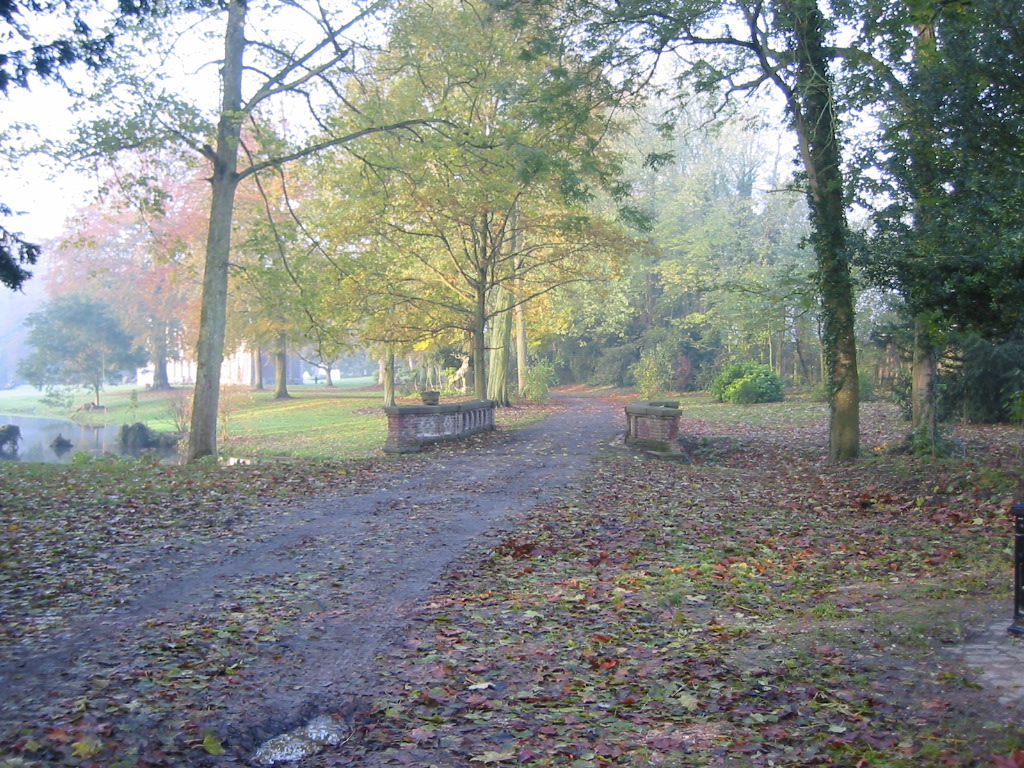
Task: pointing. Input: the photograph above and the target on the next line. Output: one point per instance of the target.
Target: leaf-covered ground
(165, 616)
(750, 606)
(753, 607)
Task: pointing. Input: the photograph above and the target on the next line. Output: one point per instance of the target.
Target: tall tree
(139, 259)
(967, 270)
(504, 207)
(724, 276)
(944, 80)
(743, 45)
(271, 52)
(78, 341)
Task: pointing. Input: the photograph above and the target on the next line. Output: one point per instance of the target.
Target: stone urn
(430, 397)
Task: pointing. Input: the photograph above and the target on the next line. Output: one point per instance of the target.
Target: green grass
(318, 422)
(153, 408)
(794, 411)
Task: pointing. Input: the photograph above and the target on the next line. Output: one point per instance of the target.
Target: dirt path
(341, 577)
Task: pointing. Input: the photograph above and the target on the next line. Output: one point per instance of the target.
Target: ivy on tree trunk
(811, 104)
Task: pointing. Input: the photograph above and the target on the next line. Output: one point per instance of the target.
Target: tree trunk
(922, 387)
(812, 106)
(161, 381)
(387, 370)
(522, 352)
(800, 372)
(519, 310)
(500, 344)
(924, 182)
(281, 368)
(224, 179)
(480, 343)
(258, 363)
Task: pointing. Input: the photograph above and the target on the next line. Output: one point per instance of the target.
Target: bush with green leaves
(539, 378)
(612, 368)
(980, 379)
(653, 372)
(924, 442)
(747, 383)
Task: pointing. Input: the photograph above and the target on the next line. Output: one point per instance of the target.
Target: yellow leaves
(213, 745)
(86, 747)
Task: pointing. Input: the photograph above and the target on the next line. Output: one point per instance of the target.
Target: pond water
(38, 436)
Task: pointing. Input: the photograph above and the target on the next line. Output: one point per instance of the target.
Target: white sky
(47, 194)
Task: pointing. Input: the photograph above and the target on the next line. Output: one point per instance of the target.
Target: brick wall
(410, 427)
(653, 425)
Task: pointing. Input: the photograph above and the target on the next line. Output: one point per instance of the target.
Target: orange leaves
(1013, 760)
(599, 662)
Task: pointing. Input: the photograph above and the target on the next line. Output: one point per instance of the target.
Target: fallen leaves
(754, 607)
(87, 541)
(664, 614)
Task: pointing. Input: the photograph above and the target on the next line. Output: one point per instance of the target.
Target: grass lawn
(317, 422)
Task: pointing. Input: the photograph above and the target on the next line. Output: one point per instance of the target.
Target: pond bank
(45, 440)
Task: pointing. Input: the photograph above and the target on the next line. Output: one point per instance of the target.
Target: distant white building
(238, 369)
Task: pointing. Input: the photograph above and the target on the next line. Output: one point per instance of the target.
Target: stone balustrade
(410, 427)
(653, 425)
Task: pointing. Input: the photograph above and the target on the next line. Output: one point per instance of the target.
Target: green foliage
(1016, 407)
(613, 365)
(724, 267)
(133, 406)
(77, 341)
(868, 390)
(747, 383)
(539, 379)
(653, 372)
(60, 398)
(899, 393)
(980, 381)
(950, 241)
(941, 443)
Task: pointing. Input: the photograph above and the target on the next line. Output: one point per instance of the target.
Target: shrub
(539, 378)
(922, 442)
(613, 367)
(179, 407)
(747, 383)
(653, 373)
(980, 380)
